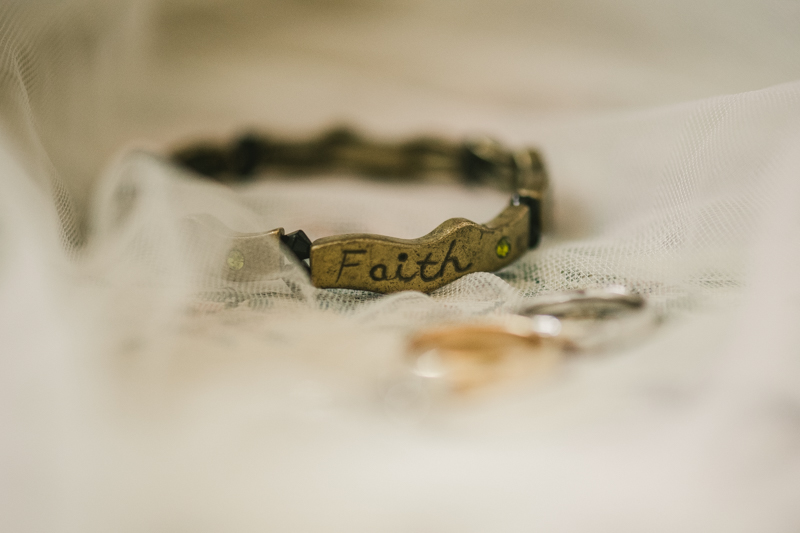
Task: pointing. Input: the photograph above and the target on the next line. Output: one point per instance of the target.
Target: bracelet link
(530, 178)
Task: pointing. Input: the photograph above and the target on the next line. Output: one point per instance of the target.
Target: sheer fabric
(141, 392)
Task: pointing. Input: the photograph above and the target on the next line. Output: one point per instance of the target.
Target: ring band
(595, 318)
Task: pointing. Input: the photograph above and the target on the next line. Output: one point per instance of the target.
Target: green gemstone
(503, 247)
(235, 260)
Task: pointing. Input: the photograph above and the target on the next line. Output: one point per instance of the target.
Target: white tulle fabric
(140, 393)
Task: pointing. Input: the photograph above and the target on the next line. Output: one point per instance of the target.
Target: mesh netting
(141, 391)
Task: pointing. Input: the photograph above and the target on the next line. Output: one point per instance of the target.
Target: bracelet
(375, 262)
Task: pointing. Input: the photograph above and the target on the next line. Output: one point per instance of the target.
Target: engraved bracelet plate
(385, 264)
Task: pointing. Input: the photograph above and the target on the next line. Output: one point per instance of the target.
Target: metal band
(594, 318)
(385, 264)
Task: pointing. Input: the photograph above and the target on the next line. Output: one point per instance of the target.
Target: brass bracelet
(375, 262)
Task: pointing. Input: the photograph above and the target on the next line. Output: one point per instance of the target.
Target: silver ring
(594, 318)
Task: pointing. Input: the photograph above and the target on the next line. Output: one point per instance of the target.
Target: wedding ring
(467, 357)
(596, 318)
